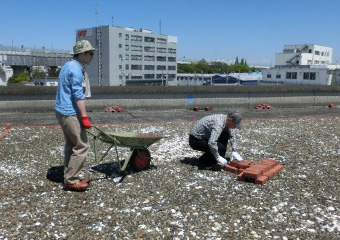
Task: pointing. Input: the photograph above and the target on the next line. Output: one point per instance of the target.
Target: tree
(19, 78)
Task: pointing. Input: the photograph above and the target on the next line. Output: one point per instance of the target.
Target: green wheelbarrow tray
(139, 156)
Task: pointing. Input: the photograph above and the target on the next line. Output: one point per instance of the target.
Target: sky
(254, 30)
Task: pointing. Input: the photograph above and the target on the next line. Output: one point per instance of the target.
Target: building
(127, 56)
(304, 64)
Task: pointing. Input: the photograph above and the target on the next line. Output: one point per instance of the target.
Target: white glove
(222, 160)
(236, 156)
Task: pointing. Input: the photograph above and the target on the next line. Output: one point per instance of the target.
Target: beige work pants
(76, 147)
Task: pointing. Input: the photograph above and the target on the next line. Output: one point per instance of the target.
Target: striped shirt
(210, 128)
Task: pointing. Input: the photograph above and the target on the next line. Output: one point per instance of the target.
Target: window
(149, 58)
(269, 75)
(137, 57)
(120, 66)
(149, 49)
(312, 76)
(127, 47)
(161, 50)
(127, 37)
(306, 75)
(126, 66)
(161, 67)
(149, 67)
(149, 76)
(317, 52)
(309, 76)
(161, 40)
(136, 77)
(127, 57)
(149, 39)
(291, 75)
(161, 59)
(171, 50)
(136, 67)
(278, 76)
(120, 45)
(171, 67)
(136, 38)
(171, 76)
(136, 48)
(120, 34)
(171, 59)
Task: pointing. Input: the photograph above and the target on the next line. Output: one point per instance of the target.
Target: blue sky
(211, 29)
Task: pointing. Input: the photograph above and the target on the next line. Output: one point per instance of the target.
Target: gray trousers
(76, 147)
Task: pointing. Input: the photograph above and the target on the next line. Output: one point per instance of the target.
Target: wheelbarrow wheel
(140, 159)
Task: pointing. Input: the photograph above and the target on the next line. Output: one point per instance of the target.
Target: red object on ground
(258, 173)
(5, 132)
(332, 105)
(114, 109)
(264, 106)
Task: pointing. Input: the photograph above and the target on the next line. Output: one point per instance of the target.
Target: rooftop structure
(304, 54)
(303, 64)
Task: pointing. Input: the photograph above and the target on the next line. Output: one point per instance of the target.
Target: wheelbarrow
(139, 157)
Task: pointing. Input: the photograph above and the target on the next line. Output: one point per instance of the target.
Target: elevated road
(28, 57)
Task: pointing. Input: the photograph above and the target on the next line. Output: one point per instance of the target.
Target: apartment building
(127, 56)
(303, 64)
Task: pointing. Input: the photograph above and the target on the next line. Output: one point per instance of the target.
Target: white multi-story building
(303, 64)
(305, 54)
(127, 56)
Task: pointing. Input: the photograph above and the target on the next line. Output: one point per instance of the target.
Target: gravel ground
(173, 199)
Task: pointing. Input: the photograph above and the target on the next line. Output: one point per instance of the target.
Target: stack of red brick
(258, 173)
(264, 106)
(114, 109)
(6, 131)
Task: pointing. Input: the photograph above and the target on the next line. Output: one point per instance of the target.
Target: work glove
(222, 160)
(86, 122)
(235, 155)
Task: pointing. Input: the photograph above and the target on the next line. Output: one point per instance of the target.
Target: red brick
(240, 177)
(270, 162)
(273, 171)
(261, 180)
(244, 164)
(332, 105)
(234, 163)
(231, 169)
(252, 173)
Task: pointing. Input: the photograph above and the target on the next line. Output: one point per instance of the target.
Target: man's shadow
(193, 161)
(110, 170)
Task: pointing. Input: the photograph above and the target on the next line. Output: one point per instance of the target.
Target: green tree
(19, 78)
(38, 75)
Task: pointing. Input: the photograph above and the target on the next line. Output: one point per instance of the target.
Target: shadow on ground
(110, 170)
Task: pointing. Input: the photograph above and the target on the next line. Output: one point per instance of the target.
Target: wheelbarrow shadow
(112, 170)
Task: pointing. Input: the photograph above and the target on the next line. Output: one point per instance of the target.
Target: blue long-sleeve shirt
(70, 88)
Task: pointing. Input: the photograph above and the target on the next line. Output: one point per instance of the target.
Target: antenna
(160, 26)
(113, 21)
(96, 11)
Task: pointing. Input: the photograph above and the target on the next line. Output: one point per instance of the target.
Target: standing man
(211, 135)
(72, 116)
